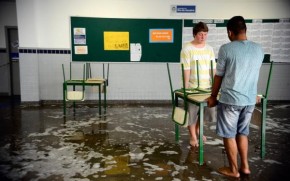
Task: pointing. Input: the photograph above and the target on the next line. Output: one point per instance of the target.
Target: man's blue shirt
(239, 64)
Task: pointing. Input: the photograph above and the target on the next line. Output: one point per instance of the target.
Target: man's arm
(212, 100)
(212, 71)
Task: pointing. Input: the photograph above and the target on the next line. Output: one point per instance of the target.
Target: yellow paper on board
(116, 40)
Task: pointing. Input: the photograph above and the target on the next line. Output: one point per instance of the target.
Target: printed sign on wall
(182, 9)
(161, 35)
(116, 40)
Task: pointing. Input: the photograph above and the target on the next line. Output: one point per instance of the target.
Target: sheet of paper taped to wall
(135, 52)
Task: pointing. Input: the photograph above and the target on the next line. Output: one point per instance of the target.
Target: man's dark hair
(201, 26)
(237, 25)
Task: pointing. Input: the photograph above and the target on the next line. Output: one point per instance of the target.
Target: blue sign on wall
(185, 9)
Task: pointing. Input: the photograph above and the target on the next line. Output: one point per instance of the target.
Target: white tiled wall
(51, 76)
(42, 79)
(280, 81)
(42, 76)
(29, 77)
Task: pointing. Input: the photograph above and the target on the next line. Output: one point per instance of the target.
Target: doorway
(13, 55)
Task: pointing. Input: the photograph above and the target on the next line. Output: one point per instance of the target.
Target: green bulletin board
(87, 33)
(88, 42)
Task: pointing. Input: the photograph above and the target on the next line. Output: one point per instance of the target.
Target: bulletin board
(125, 40)
(161, 40)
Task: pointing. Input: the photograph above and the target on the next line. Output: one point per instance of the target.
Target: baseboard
(4, 94)
(112, 102)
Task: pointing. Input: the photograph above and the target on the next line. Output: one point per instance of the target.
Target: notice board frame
(139, 32)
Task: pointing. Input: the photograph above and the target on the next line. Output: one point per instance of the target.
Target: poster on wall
(135, 52)
(116, 40)
(81, 50)
(79, 36)
(161, 35)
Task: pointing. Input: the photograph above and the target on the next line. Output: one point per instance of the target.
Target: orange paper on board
(161, 35)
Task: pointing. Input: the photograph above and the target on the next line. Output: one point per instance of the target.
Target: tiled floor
(129, 143)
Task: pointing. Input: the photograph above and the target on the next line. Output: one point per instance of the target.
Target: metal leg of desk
(263, 127)
(176, 125)
(201, 116)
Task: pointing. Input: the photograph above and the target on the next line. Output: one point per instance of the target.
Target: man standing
(237, 74)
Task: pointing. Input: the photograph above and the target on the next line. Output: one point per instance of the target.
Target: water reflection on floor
(129, 143)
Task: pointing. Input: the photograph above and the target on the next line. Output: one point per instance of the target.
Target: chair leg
(100, 103)
(105, 98)
(176, 126)
(63, 91)
(74, 103)
(64, 101)
(176, 133)
(201, 112)
(263, 128)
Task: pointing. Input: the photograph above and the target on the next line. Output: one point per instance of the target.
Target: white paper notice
(80, 36)
(81, 50)
(136, 52)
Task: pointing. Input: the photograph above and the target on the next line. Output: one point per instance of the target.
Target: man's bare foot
(245, 171)
(194, 142)
(227, 172)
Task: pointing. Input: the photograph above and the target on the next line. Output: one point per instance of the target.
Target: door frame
(7, 36)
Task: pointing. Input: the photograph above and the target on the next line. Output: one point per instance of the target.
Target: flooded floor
(129, 143)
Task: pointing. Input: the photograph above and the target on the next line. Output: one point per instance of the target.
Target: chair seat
(179, 116)
(96, 79)
(75, 95)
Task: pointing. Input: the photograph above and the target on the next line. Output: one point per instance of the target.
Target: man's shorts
(233, 120)
(209, 114)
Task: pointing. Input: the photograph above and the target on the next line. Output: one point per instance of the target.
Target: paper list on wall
(273, 37)
(135, 52)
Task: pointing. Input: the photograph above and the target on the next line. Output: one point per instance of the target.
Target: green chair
(180, 115)
(89, 73)
(195, 96)
(73, 89)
